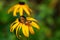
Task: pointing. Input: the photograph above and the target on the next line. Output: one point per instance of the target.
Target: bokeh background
(47, 12)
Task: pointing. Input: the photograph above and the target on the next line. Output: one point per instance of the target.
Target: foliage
(46, 13)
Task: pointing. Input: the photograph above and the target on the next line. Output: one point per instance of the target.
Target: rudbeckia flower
(26, 24)
(20, 7)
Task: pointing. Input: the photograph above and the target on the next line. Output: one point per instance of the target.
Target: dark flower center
(22, 19)
(21, 3)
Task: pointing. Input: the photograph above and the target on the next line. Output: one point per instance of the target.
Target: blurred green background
(47, 12)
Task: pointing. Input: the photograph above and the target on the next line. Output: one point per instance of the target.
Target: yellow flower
(19, 8)
(26, 26)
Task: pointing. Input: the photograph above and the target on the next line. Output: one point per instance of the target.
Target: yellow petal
(31, 19)
(28, 7)
(26, 10)
(15, 10)
(13, 27)
(20, 24)
(35, 25)
(18, 30)
(21, 11)
(17, 5)
(25, 30)
(14, 22)
(31, 30)
(12, 8)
